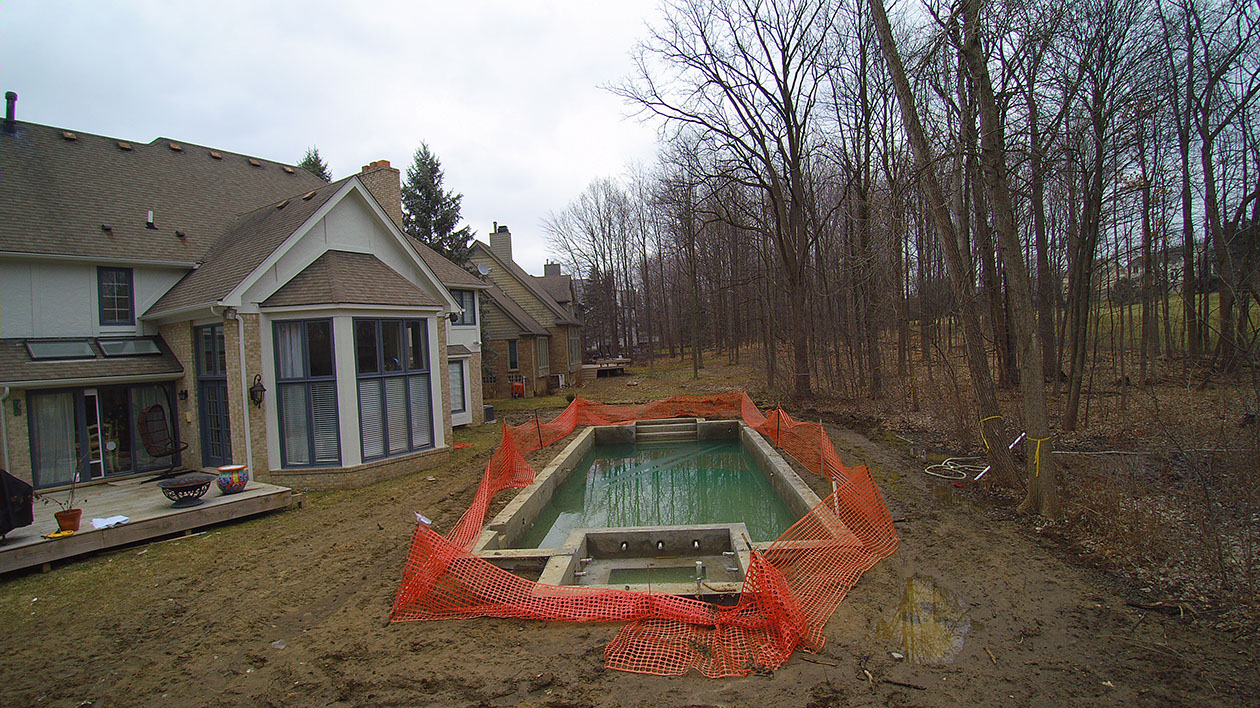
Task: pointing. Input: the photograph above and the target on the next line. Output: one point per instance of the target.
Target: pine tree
(431, 213)
(313, 163)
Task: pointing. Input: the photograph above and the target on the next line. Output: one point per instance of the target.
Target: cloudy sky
(505, 93)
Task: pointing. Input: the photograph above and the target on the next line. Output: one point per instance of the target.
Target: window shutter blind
(396, 413)
(296, 447)
(421, 412)
(372, 430)
(324, 426)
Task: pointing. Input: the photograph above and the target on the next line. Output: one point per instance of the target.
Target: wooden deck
(150, 513)
(606, 367)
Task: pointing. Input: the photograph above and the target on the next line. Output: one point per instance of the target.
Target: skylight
(128, 347)
(60, 349)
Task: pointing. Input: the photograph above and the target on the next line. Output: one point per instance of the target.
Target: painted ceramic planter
(233, 478)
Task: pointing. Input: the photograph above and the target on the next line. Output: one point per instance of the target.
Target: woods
(1058, 194)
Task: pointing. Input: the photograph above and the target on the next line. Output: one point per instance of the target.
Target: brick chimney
(383, 182)
(501, 243)
(550, 269)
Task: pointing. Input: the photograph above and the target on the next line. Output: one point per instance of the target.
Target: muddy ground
(292, 609)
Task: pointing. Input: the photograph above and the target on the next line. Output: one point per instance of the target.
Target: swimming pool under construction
(664, 506)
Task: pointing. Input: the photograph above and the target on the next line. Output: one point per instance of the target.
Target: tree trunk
(1043, 496)
(982, 381)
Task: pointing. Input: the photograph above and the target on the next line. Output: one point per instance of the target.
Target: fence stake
(538, 422)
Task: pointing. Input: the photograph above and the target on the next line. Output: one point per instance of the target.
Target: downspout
(249, 440)
(4, 428)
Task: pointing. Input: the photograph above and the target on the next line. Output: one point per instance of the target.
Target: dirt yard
(977, 607)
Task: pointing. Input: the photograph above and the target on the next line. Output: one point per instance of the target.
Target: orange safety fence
(788, 594)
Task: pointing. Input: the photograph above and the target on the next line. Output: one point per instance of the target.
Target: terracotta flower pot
(68, 520)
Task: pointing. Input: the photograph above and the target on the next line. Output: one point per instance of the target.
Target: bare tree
(747, 74)
(963, 286)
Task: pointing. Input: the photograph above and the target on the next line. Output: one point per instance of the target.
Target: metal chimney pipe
(10, 109)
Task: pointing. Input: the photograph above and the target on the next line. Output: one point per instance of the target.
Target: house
(532, 332)
(198, 281)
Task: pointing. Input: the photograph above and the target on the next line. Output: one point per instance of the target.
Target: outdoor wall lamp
(257, 390)
(183, 394)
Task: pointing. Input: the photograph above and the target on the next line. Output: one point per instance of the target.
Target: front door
(212, 396)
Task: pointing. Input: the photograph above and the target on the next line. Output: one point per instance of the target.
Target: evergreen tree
(313, 163)
(431, 213)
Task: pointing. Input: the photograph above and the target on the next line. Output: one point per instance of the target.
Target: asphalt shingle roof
(451, 275)
(342, 277)
(559, 287)
(56, 192)
(17, 367)
(247, 243)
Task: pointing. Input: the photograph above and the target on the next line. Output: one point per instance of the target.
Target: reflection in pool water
(662, 484)
(928, 625)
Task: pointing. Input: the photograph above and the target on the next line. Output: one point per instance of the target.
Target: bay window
(307, 378)
(393, 370)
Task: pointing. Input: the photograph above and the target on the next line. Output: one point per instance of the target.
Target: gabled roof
(563, 316)
(508, 306)
(248, 242)
(559, 287)
(342, 277)
(60, 187)
(451, 275)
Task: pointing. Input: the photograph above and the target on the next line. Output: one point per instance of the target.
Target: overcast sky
(505, 93)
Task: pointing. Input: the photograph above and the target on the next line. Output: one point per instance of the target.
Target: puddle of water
(928, 625)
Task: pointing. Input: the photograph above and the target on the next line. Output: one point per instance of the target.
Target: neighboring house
(534, 339)
(175, 275)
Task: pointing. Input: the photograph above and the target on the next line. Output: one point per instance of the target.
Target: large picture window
(393, 369)
(468, 301)
(116, 293)
(307, 379)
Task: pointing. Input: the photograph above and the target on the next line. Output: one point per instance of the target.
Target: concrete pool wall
(632, 556)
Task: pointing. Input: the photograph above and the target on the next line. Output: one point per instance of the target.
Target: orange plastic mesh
(788, 594)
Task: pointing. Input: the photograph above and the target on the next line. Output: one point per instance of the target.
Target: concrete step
(672, 428)
(667, 424)
(664, 436)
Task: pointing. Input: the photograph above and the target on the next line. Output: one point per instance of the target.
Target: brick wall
(476, 397)
(179, 337)
(560, 352)
(19, 441)
(351, 477)
(526, 348)
(257, 414)
(499, 365)
(382, 181)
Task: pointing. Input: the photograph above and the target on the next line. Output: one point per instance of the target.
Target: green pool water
(662, 484)
(647, 576)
